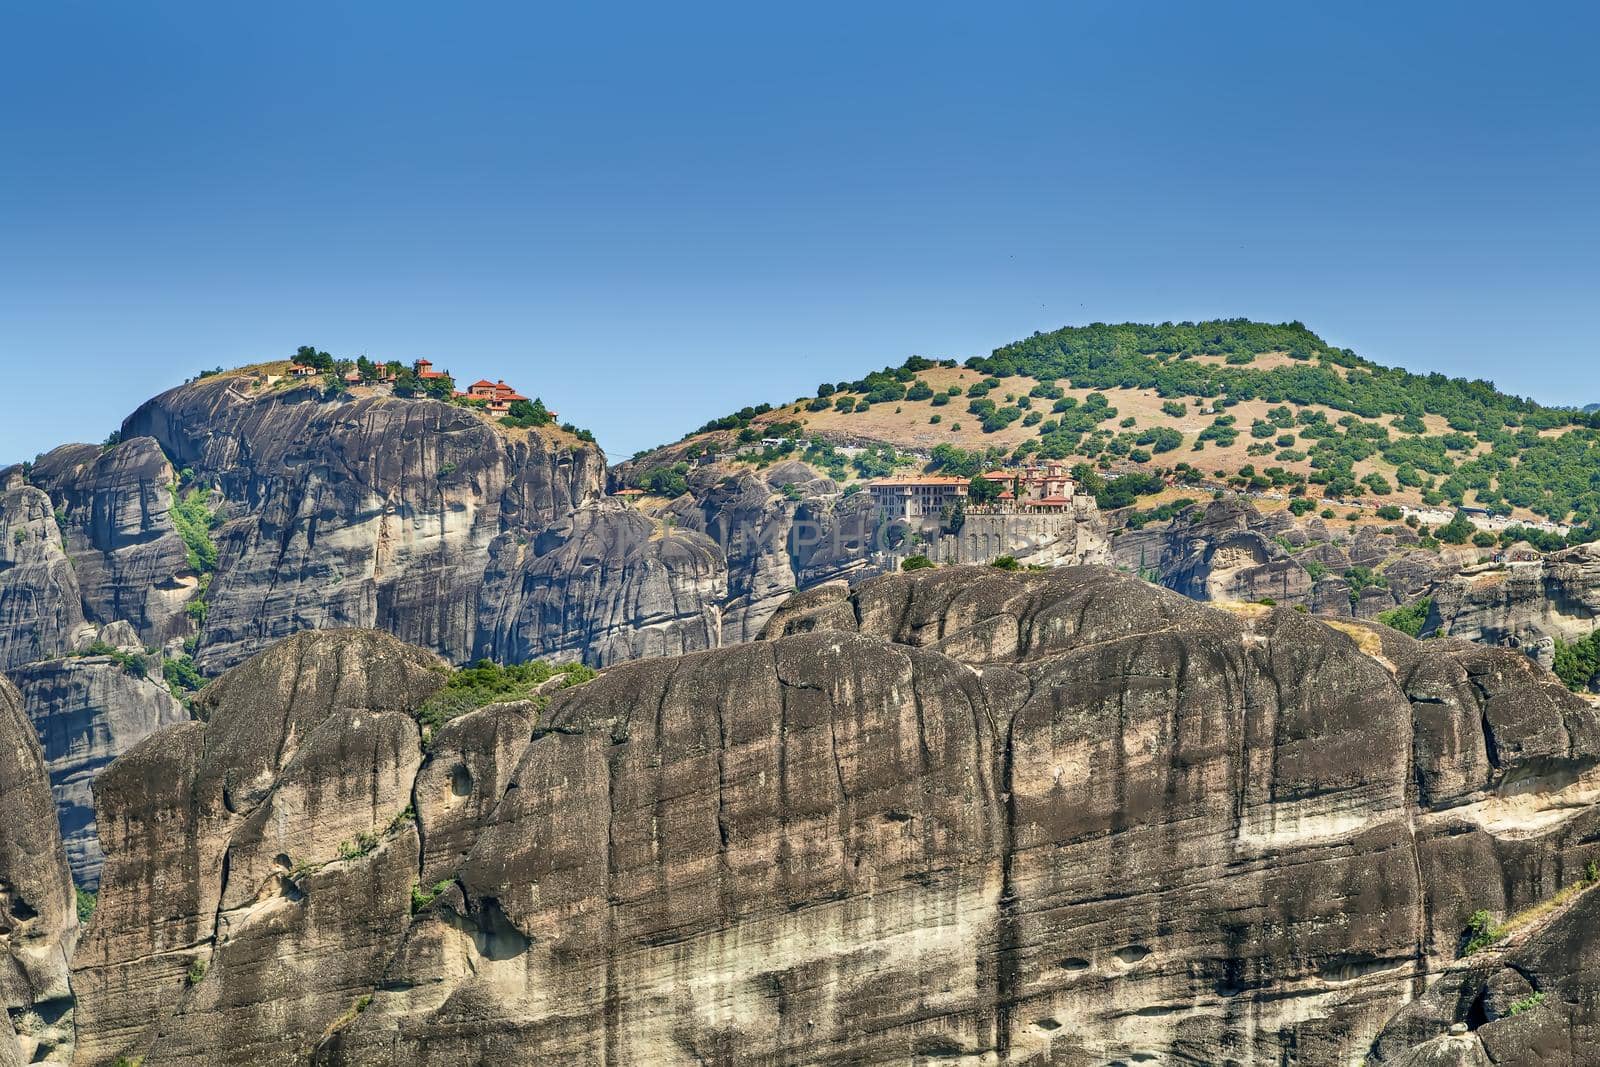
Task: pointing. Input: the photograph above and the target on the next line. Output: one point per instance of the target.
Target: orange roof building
(911, 498)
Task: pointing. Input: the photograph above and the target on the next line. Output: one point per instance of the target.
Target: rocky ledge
(962, 815)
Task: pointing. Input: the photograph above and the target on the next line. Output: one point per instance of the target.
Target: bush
(487, 682)
(86, 905)
(1457, 531)
(1482, 931)
(1527, 1003)
(666, 481)
(182, 677)
(1389, 513)
(916, 563)
(1006, 563)
(421, 899)
(1409, 619)
(1577, 664)
(194, 519)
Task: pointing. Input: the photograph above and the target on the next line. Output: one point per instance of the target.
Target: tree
(1578, 663)
(308, 356)
(985, 490)
(1458, 531)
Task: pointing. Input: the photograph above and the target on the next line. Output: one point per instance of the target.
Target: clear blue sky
(651, 215)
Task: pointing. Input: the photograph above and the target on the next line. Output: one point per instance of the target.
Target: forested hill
(1257, 405)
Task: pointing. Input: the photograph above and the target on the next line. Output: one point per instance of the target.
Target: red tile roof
(929, 479)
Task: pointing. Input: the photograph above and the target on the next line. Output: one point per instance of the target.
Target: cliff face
(1525, 605)
(87, 712)
(371, 512)
(1055, 817)
(602, 585)
(40, 606)
(129, 560)
(38, 916)
(774, 541)
(1229, 550)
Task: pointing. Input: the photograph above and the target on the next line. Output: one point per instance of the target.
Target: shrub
(1527, 1003)
(1482, 931)
(86, 904)
(1577, 663)
(487, 682)
(1006, 563)
(422, 899)
(194, 519)
(916, 563)
(1457, 531)
(197, 972)
(1408, 619)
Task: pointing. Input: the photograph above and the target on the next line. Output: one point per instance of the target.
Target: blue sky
(652, 215)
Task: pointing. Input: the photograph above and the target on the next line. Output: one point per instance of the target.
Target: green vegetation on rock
(1578, 664)
(487, 682)
(1408, 619)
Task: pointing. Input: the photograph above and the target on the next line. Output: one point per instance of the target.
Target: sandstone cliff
(1041, 817)
(1525, 604)
(38, 917)
(420, 518)
(40, 606)
(1229, 550)
(87, 711)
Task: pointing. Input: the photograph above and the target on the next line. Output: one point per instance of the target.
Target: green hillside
(1264, 406)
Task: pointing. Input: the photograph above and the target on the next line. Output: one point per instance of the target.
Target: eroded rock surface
(1039, 817)
(1230, 550)
(89, 710)
(1526, 603)
(38, 915)
(41, 613)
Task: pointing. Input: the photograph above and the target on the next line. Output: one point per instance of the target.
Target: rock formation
(1039, 817)
(1525, 604)
(40, 608)
(130, 562)
(1230, 550)
(38, 915)
(88, 710)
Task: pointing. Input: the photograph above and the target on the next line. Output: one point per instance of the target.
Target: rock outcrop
(40, 607)
(602, 585)
(130, 562)
(375, 511)
(1230, 550)
(247, 896)
(779, 530)
(38, 913)
(1523, 603)
(88, 710)
(1040, 817)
